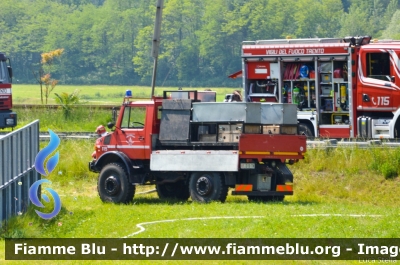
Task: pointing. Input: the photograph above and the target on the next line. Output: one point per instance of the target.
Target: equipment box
(228, 137)
(230, 128)
(255, 129)
(226, 111)
(271, 129)
(326, 90)
(279, 129)
(261, 181)
(278, 113)
(208, 138)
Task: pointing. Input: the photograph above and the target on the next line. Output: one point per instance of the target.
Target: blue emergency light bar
(128, 94)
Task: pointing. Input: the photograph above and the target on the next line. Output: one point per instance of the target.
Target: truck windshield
(4, 77)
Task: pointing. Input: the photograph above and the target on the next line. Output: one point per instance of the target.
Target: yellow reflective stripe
(286, 153)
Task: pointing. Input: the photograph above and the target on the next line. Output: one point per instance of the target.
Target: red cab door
(132, 138)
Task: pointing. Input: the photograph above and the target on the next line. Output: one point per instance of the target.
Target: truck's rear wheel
(207, 186)
(177, 190)
(113, 185)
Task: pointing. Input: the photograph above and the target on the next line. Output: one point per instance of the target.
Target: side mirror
(10, 71)
(110, 125)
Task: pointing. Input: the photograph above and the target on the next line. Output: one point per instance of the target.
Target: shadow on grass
(157, 201)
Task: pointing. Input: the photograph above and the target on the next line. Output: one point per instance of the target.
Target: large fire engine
(8, 118)
(188, 145)
(343, 87)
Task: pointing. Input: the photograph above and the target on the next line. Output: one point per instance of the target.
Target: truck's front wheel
(206, 187)
(113, 185)
(177, 190)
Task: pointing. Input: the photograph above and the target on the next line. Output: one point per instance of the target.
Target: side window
(134, 118)
(378, 66)
(159, 114)
(3, 72)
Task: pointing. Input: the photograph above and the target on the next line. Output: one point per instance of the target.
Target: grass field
(341, 193)
(30, 94)
(338, 193)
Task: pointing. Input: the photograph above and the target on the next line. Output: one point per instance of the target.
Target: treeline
(109, 41)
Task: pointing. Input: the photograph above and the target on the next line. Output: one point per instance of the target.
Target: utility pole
(156, 43)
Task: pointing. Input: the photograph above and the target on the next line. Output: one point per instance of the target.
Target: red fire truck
(8, 118)
(343, 88)
(190, 147)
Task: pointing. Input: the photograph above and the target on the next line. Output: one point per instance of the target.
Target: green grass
(30, 94)
(82, 118)
(328, 191)
(338, 194)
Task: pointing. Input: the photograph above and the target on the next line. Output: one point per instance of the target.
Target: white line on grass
(142, 229)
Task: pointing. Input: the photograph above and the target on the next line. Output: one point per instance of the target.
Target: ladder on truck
(294, 41)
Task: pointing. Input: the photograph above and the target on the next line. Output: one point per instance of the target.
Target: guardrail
(333, 143)
(18, 151)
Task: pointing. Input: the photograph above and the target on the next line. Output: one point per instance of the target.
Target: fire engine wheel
(113, 184)
(266, 198)
(207, 186)
(177, 190)
(304, 129)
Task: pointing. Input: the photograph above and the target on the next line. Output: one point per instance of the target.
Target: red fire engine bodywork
(149, 145)
(350, 87)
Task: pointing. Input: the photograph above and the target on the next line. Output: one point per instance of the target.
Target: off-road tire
(113, 184)
(207, 187)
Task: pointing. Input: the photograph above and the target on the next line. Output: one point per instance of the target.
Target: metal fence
(18, 151)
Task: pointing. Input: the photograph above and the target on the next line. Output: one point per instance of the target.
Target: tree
(355, 23)
(66, 101)
(45, 68)
(393, 29)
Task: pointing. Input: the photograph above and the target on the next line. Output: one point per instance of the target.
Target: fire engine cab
(8, 118)
(343, 88)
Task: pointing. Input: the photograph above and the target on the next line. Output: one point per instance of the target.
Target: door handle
(141, 138)
(365, 98)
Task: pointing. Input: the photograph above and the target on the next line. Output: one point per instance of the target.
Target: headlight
(10, 122)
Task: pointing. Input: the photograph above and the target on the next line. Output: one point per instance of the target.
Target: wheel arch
(114, 157)
(309, 124)
(395, 130)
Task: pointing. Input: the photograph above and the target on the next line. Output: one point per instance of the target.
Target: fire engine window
(159, 112)
(378, 66)
(134, 117)
(3, 72)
